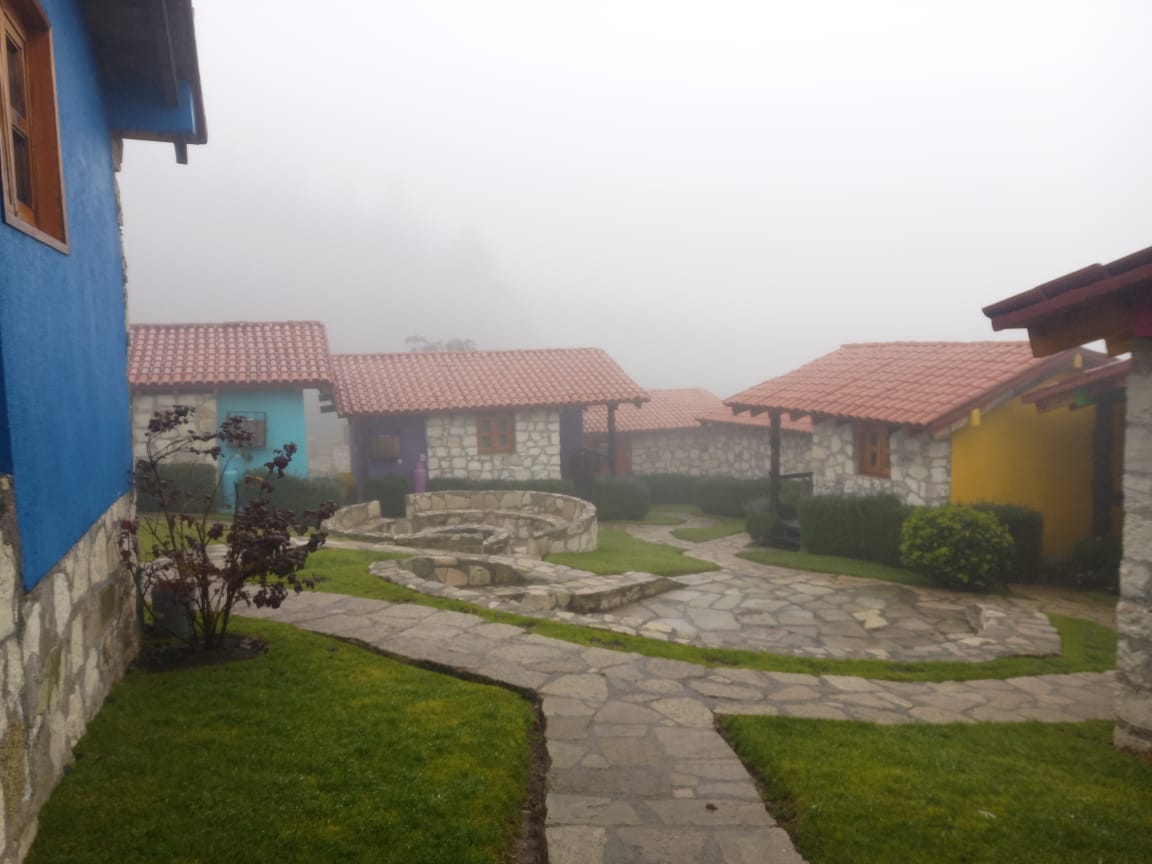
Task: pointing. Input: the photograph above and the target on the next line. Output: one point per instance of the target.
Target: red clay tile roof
(677, 409)
(235, 352)
(787, 424)
(425, 383)
(669, 409)
(929, 384)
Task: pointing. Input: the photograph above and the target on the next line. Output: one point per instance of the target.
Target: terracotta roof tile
(669, 409)
(762, 421)
(423, 383)
(677, 409)
(234, 352)
(908, 383)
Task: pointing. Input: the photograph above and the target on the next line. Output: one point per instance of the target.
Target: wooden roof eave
(478, 409)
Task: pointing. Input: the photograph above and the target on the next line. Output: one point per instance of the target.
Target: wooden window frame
(24, 26)
(255, 423)
(873, 455)
(490, 438)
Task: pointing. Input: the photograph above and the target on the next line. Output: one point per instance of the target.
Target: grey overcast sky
(713, 192)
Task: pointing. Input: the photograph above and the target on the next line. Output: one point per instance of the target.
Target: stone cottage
(690, 431)
(479, 415)
(939, 422)
(77, 78)
(1112, 302)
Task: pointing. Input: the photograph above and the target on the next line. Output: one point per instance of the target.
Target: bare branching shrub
(192, 565)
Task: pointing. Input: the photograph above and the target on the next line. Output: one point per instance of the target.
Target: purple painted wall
(571, 437)
(413, 442)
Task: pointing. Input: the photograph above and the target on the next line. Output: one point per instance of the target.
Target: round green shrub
(957, 547)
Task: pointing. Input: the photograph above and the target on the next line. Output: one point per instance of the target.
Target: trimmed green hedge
(1027, 529)
(621, 498)
(864, 526)
(298, 494)
(1093, 563)
(671, 488)
(558, 487)
(188, 486)
(389, 491)
(728, 496)
(765, 528)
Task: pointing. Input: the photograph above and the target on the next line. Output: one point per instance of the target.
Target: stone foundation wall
(721, 450)
(64, 644)
(452, 450)
(921, 465)
(144, 405)
(1134, 611)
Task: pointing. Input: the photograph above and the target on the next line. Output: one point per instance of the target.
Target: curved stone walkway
(638, 772)
(763, 608)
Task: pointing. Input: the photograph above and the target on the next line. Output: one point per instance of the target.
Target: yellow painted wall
(1018, 455)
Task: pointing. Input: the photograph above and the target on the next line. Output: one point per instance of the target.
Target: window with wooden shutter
(31, 179)
(872, 446)
(496, 433)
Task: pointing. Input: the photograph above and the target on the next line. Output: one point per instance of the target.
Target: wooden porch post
(1102, 468)
(774, 463)
(612, 438)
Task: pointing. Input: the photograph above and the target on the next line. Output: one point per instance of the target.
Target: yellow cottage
(939, 422)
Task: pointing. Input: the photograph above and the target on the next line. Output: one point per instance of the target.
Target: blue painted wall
(62, 334)
(413, 442)
(284, 413)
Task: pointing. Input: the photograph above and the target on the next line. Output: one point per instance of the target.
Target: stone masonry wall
(1134, 611)
(452, 448)
(63, 645)
(144, 405)
(921, 465)
(724, 451)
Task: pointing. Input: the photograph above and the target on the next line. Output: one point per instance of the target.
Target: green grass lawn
(620, 552)
(720, 528)
(993, 793)
(1087, 647)
(665, 514)
(835, 565)
(317, 751)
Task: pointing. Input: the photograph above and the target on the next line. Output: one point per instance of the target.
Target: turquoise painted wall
(284, 413)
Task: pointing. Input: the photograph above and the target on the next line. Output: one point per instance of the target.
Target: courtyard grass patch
(317, 751)
(620, 552)
(835, 565)
(1026, 793)
(718, 529)
(663, 514)
(1087, 647)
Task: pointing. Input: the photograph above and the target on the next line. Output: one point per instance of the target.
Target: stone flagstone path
(638, 772)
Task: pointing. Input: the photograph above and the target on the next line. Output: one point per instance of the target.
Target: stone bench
(532, 523)
(520, 584)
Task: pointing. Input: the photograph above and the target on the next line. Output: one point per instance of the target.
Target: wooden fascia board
(1112, 319)
(1075, 300)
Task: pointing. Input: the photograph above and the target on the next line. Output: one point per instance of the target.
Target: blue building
(77, 77)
